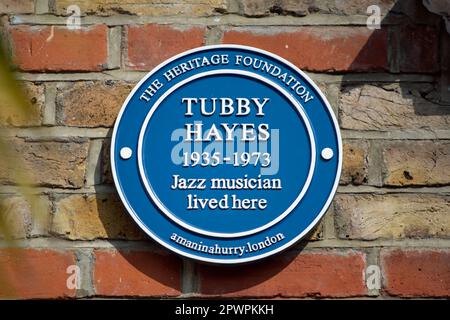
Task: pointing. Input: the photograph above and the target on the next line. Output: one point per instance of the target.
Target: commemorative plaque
(226, 154)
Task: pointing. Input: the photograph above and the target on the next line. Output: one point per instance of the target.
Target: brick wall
(387, 87)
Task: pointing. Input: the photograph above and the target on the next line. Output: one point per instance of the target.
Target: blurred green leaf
(14, 105)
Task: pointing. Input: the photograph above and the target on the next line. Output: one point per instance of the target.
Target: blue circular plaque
(226, 154)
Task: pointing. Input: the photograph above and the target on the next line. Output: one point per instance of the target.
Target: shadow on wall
(155, 265)
(414, 98)
(150, 258)
(415, 95)
(418, 48)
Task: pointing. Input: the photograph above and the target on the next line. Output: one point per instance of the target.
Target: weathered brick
(390, 107)
(302, 8)
(106, 162)
(353, 7)
(144, 7)
(320, 274)
(416, 273)
(35, 273)
(42, 48)
(88, 217)
(91, 104)
(254, 8)
(370, 217)
(16, 6)
(419, 49)
(136, 273)
(319, 48)
(354, 166)
(23, 217)
(46, 163)
(21, 116)
(416, 163)
(150, 44)
(316, 233)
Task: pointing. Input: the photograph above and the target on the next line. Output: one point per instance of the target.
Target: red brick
(136, 273)
(34, 273)
(320, 49)
(45, 48)
(149, 45)
(322, 274)
(419, 49)
(414, 273)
